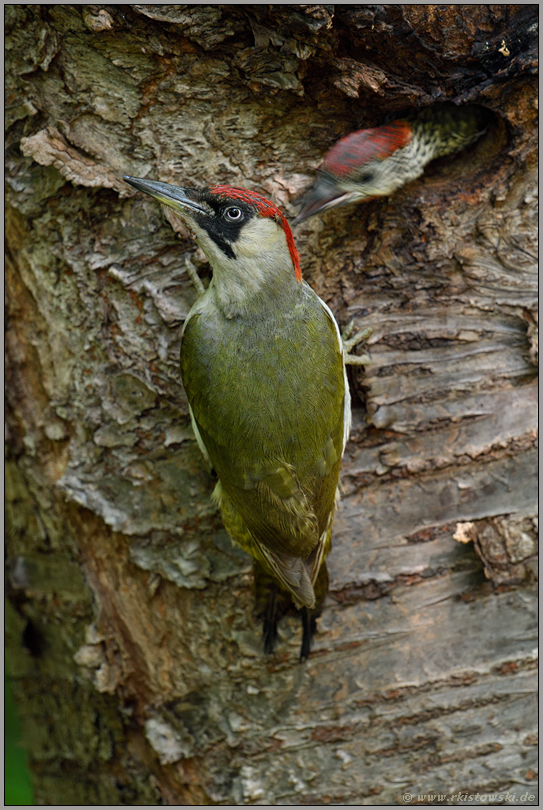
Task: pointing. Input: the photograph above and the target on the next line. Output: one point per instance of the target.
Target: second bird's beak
(180, 199)
(322, 195)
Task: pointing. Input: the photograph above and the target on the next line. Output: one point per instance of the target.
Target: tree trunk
(135, 657)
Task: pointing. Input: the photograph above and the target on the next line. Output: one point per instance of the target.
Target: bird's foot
(309, 625)
(193, 275)
(349, 344)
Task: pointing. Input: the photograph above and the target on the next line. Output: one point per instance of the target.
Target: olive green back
(267, 394)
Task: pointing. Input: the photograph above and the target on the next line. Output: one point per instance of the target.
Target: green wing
(268, 401)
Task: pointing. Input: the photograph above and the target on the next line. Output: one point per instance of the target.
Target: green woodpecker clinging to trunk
(262, 363)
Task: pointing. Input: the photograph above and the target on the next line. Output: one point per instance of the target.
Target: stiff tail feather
(272, 602)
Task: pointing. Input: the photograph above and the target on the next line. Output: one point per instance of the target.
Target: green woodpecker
(262, 364)
(375, 162)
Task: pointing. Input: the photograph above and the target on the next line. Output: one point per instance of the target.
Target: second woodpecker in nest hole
(376, 162)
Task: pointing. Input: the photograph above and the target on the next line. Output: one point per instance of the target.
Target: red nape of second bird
(266, 209)
(366, 145)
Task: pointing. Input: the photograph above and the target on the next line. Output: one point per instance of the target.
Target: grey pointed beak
(322, 195)
(180, 199)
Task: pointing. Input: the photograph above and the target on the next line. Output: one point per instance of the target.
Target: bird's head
(360, 166)
(245, 237)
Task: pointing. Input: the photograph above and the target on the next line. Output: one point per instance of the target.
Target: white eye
(233, 214)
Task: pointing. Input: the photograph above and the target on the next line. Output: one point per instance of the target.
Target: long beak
(173, 196)
(322, 195)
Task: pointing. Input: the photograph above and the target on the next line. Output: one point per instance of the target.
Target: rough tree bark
(136, 661)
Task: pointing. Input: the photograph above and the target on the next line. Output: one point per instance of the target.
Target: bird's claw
(350, 342)
(193, 275)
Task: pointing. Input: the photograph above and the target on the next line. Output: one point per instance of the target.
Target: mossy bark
(135, 657)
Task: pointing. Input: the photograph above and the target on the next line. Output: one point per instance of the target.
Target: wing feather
(272, 415)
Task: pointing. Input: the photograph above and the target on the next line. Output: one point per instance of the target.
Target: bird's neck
(446, 129)
(249, 284)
